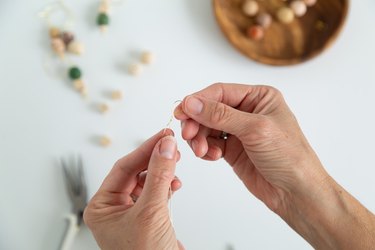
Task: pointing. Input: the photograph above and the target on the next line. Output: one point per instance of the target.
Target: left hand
(145, 175)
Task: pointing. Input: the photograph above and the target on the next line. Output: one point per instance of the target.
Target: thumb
(161, 171)
(216, 115)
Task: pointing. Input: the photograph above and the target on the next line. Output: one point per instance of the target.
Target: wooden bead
(250, 8)
(58, 46)
(147, 57)
(104, 7)
(264, 20)
(116, 95)
(67, 37)
(76, 48)
(310, 2)
(299, 8)
(135, 69)
(79, 85)
(255, 32)
(285, 15)
(105, 141)
(103, 108)
(54, 32)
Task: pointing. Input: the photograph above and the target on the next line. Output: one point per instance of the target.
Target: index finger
(127, 168)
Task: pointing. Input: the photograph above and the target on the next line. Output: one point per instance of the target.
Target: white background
(43, 119)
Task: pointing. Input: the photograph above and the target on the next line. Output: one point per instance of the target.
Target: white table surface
(43, 119)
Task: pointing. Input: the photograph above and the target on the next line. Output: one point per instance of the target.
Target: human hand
(266, 147)
(130, 209)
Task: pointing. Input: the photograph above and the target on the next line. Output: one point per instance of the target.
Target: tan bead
(54, 32)
(147, 57)
(105, 141)
(299, 8)
(250, 8)
(104, 7)
(79, 85)
(76, 48)
(285, 15)
(103, 108)
(116, 95)
(310, 2)
(135, 69)
(58, 46)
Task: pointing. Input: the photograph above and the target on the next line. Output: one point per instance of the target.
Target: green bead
(103, 19)
(75, 73)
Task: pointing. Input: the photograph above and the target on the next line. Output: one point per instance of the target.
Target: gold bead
(116, 95)
(147, 57)
(104, 7)
(135, 69)
(54, 32)
(105, 141)
(79, 85)
(285, 15)
(103, 108)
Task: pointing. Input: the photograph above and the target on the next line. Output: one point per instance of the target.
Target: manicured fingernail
(194, 105)
(168, 147)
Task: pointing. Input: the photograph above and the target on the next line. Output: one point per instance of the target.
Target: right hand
(266, 146)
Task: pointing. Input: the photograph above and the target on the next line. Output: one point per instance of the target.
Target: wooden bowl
(283, 44)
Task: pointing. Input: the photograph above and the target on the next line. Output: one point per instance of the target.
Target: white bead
(76, 48)
(147, 57)
(299, 8)
(285, 15)
(135, 69)
(250, 8)
(264, 20)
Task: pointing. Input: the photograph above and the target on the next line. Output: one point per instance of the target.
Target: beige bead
(105, 141)
(58, 46)
(76, 48)
(299, 8)
(135, 69)
(79, 84)
(116, 95)
(285, 15)
(103, 108)
(104, 7)
(264, 20)
(310, 2)
(54, 32)
(147, 57)
(250, 8)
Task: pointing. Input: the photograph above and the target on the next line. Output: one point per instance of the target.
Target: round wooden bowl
(283, 44)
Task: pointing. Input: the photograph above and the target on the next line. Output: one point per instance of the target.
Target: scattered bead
(75, 73)
(255, 32)
(299, 8)
(80, 86)
(105, 141)
(67, 37)
(54, 32)
(58, 46)
(116, 95)
(310, 2)
(104, 7)
(135, 69)
(147, 57)
(250, 8)
(264, 20)
(76, 48)
(103, 19)
(285, 15)
(103, 108)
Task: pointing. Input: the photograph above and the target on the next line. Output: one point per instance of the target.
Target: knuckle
(263, 130)
(220, 113)
(162, 174)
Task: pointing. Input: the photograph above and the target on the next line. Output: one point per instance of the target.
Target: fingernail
(194, 105)
(168, 147)
(183, 123)
(194, 145)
